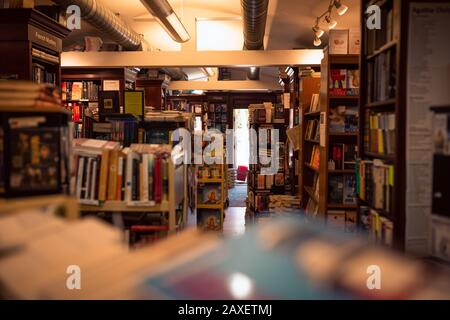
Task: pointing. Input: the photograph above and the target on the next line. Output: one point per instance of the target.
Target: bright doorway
(238, 195)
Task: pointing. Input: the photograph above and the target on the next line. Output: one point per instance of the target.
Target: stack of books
(24, 94)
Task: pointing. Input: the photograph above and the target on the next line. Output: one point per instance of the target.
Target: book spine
(145, 178)
(119, 178)
(103, 183)
(158, 180)
(112, 185)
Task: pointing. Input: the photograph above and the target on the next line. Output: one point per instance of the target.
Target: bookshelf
(330, 138)
(137, 180)
(266, 117)
(309, 86)
(34, 151)
(382, 95)
(82, 90)
(212, 193)
(388, 125)
(31, 45)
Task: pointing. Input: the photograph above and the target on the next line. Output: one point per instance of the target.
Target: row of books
(342, 156)
(217, 108)
(124, 131)
(265, 182)
(380, 228)
(80, 90)
(343, 119)
(342, 189)
(379, 37)
(315, 103)
(375, 184)
(314, 160)
(344, 82)
(380, 131)
(312, 131)
(266, 202)
(25, 94)
(381, 77)
(105, 172)
(43, 75)
(266, 113)
(76, 109)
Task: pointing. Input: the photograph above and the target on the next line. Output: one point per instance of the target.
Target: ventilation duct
(168, 19)
(106, 21)
(255, 16)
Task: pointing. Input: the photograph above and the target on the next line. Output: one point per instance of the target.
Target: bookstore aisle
(146, 158)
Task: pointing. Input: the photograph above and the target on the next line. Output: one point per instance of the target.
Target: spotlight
(331, 22)
(317, 42)
(318, 32)
(340, 8)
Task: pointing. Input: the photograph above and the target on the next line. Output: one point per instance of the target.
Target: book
(338, 82)
(335, 189)
(34, 160)
(349, 193)
(209, 219)
(210, 193)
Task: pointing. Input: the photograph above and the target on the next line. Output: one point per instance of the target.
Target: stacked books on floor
(104, 171)
(23, 94)
(380, 133)
(284, 204)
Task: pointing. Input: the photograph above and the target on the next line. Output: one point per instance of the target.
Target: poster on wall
(427, 85)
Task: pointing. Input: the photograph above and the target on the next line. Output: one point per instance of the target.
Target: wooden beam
(245, 85)
(158, 59)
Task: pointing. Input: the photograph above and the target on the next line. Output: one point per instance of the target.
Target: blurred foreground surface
(288, 258)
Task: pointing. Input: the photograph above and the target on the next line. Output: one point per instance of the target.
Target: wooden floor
(234, 223)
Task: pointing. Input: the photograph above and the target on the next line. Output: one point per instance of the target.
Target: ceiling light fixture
(331, 22)
(168, 19)
(317, 41)
(341, 9)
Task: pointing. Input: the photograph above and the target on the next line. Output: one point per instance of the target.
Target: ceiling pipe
(255, 16)
(106, 21)
(168, 19)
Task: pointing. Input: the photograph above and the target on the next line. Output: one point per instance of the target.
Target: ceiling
(288, 26)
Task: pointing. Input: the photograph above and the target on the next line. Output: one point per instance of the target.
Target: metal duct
(255, 16)
(106, 21)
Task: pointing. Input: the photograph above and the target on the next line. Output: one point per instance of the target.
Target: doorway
(238, 194)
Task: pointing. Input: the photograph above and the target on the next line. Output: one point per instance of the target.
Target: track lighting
(341, 9)
(331, 22)
(317, 41)
(318, 32)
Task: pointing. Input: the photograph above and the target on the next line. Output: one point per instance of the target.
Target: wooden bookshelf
(203, 181)
(390, 45)
(309, 85)
(31, 46)
(328, 102)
